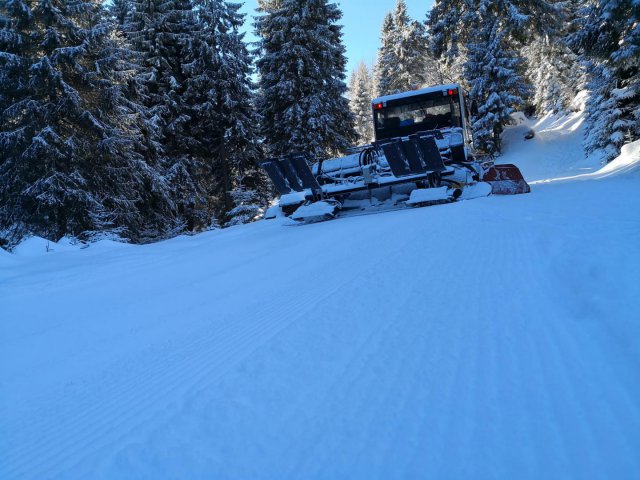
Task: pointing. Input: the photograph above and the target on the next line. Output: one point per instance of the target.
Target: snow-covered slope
(491, 338)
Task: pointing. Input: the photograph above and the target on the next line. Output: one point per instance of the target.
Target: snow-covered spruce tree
(610, 39)
(605, 131)
(453, 24)
(383, 66)
(552, 70)
(119, 11)
(494, 71)
(223, 118)
(302, 79)
(444, 42)
(162, 33)
(404, 61)
(360, 96)
(624, 16)
(70, 143)
(489, 34)
(248, 204)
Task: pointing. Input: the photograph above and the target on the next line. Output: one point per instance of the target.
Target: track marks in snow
(180, 368)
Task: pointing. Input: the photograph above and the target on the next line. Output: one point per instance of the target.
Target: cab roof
(414, 93)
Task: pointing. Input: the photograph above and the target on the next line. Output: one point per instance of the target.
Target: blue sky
(361, 24)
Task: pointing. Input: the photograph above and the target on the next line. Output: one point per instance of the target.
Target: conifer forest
(141, 120)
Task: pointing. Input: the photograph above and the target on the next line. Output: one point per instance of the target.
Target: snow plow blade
(506, 180)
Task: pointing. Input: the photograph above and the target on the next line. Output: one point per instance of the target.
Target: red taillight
(378, 106)
(452, 92)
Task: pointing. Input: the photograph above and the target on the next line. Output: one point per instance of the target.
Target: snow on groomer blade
(506, 180)
(423, 155)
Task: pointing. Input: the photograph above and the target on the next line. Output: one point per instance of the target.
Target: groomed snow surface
(489, 338)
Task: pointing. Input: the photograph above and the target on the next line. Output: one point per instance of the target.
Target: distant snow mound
(35, 246)
(628, 160)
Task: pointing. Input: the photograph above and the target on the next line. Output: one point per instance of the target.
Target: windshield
(429, 114)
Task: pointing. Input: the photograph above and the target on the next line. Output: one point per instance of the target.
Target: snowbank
(36, 246)
(556, 152)
(33, 246)
(628, 160)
